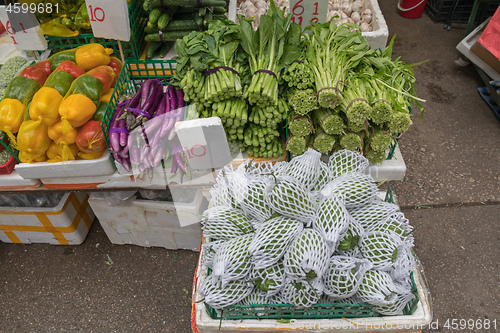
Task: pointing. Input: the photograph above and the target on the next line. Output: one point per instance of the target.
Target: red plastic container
(411, 8)
(8, 167)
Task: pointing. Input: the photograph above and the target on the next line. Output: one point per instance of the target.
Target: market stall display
(367, 240)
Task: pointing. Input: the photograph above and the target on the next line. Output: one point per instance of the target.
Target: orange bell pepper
(105, 98)
(76, 110)
(33, 140)
(64, 138)
(55, 152)
(92, 55)
(106, 75)
(11, 116)
(44, 107)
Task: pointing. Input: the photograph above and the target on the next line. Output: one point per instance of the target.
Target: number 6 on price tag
(307, 11)
(23, 29)
(109, 19)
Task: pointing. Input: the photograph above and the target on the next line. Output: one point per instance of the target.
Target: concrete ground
(451, 187)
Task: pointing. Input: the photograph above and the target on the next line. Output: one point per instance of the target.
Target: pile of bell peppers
(47, 108)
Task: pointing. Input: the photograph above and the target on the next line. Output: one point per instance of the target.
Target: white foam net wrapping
(402, 295)
(396, 224)
(304, 168)
(345, 161)
(272, 239)
(381, 249)
(332, 219)
(324, 176)
(307, 257)
(288, 197)
(302, 294)
(225, 223)
(208, 251)
(373, 212)
(325, 299)
(343, 276)
(351, 253)
(377, 288)
(220, 297)
(221, 191)
(349, 240)
(232, 261)
(269, 279)
(403, 265)
(357, 188)
(255, 297)
(254, 202)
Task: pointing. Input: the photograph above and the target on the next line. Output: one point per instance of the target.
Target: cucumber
(219, 10)
(175, 25)
(152, 49)
(166, 17)
(148, 4)
(167, 36)
(154, 15)
(164, 49)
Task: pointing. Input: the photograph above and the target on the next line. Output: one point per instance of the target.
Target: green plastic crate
(131, 49)
(133, 73)
(317, 311)
(8, 147)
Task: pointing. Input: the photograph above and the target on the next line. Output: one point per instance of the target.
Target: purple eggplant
(179, 95)
(171, 97)
(180, 162)
(160, 109)
(136, 98)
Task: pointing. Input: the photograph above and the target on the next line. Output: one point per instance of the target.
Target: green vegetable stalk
(323, 142)
(330, 122)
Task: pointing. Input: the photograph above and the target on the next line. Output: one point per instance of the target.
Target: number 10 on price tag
(109, 18)
(307, 11)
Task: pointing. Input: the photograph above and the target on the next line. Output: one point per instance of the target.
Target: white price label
(306, 11)
(24, 30)
(109, 19)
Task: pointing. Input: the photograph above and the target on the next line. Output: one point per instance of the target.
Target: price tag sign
(109, 19)
(307, 11)
(23, 28)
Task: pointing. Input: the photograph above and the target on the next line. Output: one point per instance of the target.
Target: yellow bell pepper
(92, 55)
(11, 116)
(33, 140)
(64, 138)
(25, 157)
(55, 152)
(105, 98)
(76, 110)
(44, 107)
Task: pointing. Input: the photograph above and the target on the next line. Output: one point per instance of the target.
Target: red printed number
(196, 151)
(316, 12)
(96, 14)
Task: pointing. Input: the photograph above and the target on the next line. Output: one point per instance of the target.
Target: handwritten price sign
(23, 29)
(109, 18)
(307, 11)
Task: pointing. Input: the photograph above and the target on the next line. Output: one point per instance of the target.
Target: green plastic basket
(317, 311)
(131, 49)
(133, 73)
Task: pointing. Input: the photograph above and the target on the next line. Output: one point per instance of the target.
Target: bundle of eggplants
(142, 129)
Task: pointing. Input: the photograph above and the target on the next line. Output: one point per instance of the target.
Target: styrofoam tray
(421, 317)
(393, 169)
(14, 181)
(77, 168)
(465, 48)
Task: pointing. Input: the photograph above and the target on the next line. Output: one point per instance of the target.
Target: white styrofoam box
(76, 168)
(422, 316)
(14, 181)
(204, 142)
(393, 169)
(377, 38)
(465, 48)
(68, 223)
(380, 33)
(172, 225)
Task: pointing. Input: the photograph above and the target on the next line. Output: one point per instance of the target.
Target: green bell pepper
(60, 81)
(87, 85)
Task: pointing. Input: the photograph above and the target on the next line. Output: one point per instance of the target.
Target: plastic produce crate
(68, 223)
(8, 167)
(153, 223)
(133, 73)
(440, 10)
(131, 49)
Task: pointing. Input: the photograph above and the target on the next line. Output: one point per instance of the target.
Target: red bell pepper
(44, 66)
(71, 68)
(31, 72)
(117, 65)
(106, 75)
